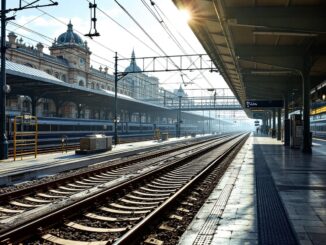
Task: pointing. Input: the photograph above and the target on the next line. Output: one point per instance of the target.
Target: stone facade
(142, 86)
(69, 61)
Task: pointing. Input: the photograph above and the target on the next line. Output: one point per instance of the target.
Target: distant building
(142, 86)
(69, 61)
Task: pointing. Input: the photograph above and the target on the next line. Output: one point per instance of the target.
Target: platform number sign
(263, 103)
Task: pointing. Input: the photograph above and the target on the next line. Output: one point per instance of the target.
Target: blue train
(52, 130)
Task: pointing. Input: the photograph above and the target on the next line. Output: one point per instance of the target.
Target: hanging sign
(263, 103)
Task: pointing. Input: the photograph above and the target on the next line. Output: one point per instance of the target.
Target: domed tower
(133, 67)
(72, 48)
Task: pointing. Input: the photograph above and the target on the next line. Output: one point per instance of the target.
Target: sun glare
(185, 15)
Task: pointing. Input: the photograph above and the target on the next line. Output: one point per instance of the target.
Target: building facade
(69, 61)
(142, 86)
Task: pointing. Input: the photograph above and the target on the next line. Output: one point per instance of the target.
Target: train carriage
(52, 130)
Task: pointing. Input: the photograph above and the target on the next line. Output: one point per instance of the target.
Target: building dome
(69, 37)
(133, 67)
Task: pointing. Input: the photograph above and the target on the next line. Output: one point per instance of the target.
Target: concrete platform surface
(231, 215)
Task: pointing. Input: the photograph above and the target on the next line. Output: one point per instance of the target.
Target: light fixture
(324, 97)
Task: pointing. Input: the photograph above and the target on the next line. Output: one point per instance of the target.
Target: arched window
(48, 71)
(26, 106)
(64, 78)
(29, 65)
(93, 85)
(81, 83)
(102, 86)
(56, 74)
(97, 86)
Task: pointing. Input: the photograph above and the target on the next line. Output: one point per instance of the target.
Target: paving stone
(218, 240)
(307, 222)
(297, 177)
(305, 217)
(243, 242)
(314, 229)
(317, 238)
(305, 242)
(244, 235)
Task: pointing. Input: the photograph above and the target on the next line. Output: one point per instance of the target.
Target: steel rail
(132, 235)
(5, 197)
(27, 229)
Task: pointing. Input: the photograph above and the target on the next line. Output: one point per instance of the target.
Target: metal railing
(25, 135)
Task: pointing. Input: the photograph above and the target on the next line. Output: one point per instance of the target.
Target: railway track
(119, 211)
(18, 201)
(44, 149)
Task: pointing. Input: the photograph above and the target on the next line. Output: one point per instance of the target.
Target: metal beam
(191, 62)
(308, 19)
(265, 51)
(271, 79)
(288, 62)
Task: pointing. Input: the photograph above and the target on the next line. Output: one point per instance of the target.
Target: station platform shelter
(270, 194)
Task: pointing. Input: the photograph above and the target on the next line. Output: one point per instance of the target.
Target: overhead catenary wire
(57, 19)
(156, 14)
(30, 21)
(34, 40)
(48, 39)
(145, 32)
(124, 28)
(62, 22)
(149, 36)
(159, 12)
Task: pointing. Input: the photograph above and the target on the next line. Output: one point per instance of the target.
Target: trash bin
(95, 143)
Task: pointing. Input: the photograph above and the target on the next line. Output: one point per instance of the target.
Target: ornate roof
(69, 37)
(133, 67)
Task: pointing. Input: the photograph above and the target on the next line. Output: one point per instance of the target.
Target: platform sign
(264, 103)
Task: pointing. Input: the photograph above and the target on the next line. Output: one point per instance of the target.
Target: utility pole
(3, 85)
(115, 98)
(209, 121)
(4, 88)
(179, 119)
(179, 94)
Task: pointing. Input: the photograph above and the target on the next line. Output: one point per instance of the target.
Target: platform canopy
(262, 48)
(24, 80)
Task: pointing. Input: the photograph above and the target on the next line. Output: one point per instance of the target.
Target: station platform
(270, 194)
(29, 167)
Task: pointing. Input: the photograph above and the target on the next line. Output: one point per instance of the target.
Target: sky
(45, 24)
(119, 33)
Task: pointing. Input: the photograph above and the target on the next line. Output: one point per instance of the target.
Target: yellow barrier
(157, 134)
(25, 135)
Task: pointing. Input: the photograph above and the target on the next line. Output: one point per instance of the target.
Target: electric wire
(49, 39)
(57, 19)
(62, 22)
(149, 36)
(122, 86)
(125, 29)
(158, 11)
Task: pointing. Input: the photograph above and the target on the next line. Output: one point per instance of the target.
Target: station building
(69, 61)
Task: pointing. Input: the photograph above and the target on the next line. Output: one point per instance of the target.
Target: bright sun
(185, 15)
